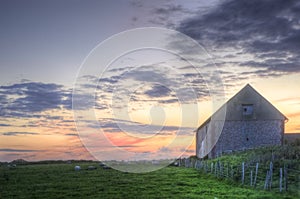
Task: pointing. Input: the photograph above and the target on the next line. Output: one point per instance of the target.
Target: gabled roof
(264, 110)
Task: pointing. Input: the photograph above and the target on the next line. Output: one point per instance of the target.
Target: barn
(245, 121)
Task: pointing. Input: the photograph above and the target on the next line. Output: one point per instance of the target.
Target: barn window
(247, 109)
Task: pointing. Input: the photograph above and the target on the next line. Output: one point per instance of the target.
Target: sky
(146, 103)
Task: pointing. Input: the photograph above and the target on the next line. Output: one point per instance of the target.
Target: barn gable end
(250, 121)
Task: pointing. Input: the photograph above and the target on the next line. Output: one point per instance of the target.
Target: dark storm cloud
(268, 30)
(33, 96)
(27, 99)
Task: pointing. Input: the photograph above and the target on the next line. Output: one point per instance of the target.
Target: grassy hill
(285, 158)
(61, 181)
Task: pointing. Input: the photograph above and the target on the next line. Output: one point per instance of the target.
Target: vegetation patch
(62, 181)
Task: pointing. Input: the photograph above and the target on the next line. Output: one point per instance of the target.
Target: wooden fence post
(266, 180)
(251, 176)
(256, 171)
(271, 175)
(216, 165)
(219, 169)
(243, 172)
(280, 180)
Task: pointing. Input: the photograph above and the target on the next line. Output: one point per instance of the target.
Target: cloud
(169, 9)
(162, 13)
(3, 125)
(19, 133)
(18, 150)
(293, 115)
(168, 101)
(290, 100)
(112, 125)
(264, 34)
(158, 91)
(26, 99)
(71, 134)
(159, 82)
(137, 3)
(111, 80)
(83, 101)
(30, 99)
(146, 74)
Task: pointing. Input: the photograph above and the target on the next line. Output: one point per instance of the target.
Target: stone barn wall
(241, 135)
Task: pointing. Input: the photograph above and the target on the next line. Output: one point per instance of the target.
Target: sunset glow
(44, 49)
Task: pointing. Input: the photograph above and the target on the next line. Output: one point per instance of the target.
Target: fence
(263, 176)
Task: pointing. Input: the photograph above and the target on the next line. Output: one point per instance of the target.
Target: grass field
(286, 156)
(61, 181)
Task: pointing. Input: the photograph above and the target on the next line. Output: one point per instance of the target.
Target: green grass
(281, 156)
(61, 181)
(286, 154)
